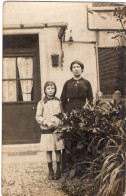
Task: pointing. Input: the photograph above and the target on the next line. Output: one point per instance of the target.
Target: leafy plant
(95, 143)
(120, 15)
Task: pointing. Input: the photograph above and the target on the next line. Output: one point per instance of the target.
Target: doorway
(21, 89)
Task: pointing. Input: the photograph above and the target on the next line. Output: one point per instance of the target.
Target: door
(20, 89)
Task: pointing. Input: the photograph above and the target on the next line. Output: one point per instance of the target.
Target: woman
(74, 94)
(76, 90)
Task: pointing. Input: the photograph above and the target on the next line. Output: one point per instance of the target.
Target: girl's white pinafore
(46, 109)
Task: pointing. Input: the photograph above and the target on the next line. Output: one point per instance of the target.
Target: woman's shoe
(57, 174)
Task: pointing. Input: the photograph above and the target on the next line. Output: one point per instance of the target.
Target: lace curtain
(25, 67)
(9, 91)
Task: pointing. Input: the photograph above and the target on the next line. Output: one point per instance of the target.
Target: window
(112, 70)
(17, 79)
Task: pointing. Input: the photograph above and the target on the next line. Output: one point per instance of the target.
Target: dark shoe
(51, 175)
(57, 174)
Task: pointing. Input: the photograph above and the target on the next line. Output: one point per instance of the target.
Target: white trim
(34, 26)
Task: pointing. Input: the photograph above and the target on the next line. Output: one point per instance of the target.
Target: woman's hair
(77, 62)
(50, 83)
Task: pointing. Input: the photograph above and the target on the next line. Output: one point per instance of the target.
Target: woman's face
(76, 70)
(50, 90)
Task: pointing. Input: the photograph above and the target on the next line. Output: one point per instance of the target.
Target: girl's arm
(39, 114)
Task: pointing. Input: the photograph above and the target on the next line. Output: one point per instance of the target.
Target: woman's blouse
(75, 93)
(46, 111)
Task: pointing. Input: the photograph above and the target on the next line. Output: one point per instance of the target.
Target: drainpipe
(97, 67)
(96, 52)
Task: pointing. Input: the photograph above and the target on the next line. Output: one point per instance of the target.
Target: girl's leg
(58, 162)
(49, 156)
(50, 167)
(58, 155)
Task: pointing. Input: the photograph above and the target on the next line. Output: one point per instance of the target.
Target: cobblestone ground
(28, 178)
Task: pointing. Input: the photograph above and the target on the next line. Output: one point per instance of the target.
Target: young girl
(47, 108)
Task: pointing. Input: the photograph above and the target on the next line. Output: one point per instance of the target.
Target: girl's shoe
(51, 175)
(57, 174)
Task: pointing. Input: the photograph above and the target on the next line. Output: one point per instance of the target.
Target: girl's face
(50, 91)
(76, 70)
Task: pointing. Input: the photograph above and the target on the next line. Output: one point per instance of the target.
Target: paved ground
(24, 173)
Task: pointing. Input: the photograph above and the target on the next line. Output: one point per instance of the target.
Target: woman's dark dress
(75, 93)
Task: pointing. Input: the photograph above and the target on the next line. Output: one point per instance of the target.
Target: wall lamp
(70, 38)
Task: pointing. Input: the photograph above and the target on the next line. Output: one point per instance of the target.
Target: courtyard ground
(25, 174)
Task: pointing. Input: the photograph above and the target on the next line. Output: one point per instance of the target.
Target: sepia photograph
(63, 98)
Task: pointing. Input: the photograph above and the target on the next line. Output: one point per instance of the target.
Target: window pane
(9, 68)
(9, 91)
(25, 67)
(18, 73)
(26, 86)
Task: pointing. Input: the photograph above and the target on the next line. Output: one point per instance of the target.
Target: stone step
(23, 152)
(19, 149)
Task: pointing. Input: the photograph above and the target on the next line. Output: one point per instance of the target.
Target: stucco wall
(105, 24)
(74, 13)
(106, 39)
(103, 19)
(85, 53)
(76, 51)
(49, 44)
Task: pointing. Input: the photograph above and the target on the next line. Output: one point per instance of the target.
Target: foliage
(95, 142)
(120, 15)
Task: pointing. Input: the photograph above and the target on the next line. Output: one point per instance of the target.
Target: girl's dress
(46, 111)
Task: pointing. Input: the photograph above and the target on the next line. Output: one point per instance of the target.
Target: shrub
(95, 143)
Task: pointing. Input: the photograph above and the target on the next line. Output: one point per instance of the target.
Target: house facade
(40, 40)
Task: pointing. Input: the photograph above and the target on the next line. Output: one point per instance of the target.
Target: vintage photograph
(63, 98)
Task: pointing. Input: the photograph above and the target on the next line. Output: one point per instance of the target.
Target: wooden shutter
(112, 69)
